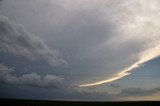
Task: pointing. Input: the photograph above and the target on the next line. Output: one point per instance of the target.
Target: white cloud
(32, 79)
(15, 39)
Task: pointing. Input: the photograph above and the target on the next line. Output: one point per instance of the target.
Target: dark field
(19, 102)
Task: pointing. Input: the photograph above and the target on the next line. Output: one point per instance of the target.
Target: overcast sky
(80, 49)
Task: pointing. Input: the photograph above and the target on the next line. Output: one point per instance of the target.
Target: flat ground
(20, 102)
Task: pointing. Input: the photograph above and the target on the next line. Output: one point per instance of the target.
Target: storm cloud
(104, 37)
(31, 79)
(15, 39)
(99, 40)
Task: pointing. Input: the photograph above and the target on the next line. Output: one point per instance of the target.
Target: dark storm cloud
(32, 79)
(15, 39)
(138, 91)
(54, 94)
(96, 37)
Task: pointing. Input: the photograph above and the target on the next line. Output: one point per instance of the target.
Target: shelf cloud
(97, 41)
(141, 27)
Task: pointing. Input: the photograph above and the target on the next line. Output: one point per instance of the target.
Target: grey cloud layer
(32, 79)
(15, 39)
(99, 36)
(138, 91)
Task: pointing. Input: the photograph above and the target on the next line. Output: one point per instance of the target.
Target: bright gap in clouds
(146, 56)
(140, 26)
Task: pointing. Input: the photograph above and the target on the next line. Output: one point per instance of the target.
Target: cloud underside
(31, 79)
(105, 37)
(146, 56)
(16, 40)
(140, 27)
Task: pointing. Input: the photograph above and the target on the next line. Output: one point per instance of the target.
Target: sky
(94, 50)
